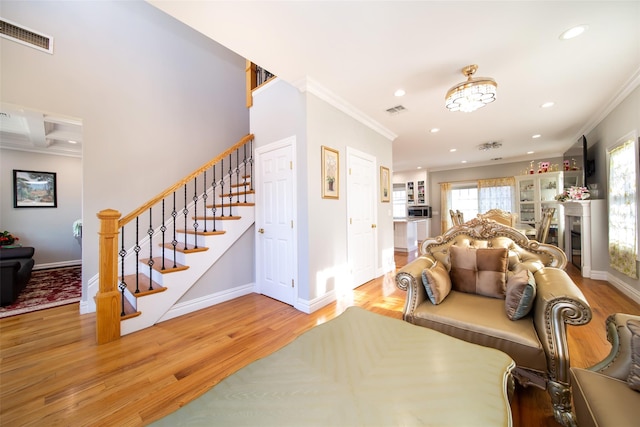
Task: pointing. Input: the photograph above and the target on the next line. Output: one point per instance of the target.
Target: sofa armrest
(16, 253)
(409, 278)
(559, 302)
(618, 362)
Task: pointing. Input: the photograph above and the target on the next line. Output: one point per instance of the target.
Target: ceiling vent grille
(17, 33)
(395, 110)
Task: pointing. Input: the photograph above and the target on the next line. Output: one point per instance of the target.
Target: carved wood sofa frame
(558, 302)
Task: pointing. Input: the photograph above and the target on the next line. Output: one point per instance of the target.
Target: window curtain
(445, 206)
(496, 193)
(623, 245)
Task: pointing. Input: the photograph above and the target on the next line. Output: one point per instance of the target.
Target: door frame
(259, 151)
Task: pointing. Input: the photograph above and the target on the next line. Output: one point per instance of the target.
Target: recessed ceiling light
(419, 167)
(399, 92)
(73, 142)
(453, 150)
(548, 104)
(573, 32)
(537, 135)
(464, 161)
(434, 130)
(530, 152)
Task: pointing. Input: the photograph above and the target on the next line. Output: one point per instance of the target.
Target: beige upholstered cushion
(436, 282)
(634, 371)
(520, 294)
(479, 271)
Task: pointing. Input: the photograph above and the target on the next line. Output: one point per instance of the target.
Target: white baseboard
(309, 306)
(623, 287)
(182, 308)
(599, 275)
(71, 263)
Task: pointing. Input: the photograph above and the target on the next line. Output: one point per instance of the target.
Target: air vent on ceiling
(23, 35)
(489, 146)
(395, 110)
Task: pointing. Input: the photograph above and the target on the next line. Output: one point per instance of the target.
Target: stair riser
(153, 307)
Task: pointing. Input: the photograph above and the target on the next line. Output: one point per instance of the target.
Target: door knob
(373, 226)
(261, 230)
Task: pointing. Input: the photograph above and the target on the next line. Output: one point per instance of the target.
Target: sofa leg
(561, 400)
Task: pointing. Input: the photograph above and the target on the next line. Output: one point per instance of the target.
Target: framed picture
(384, 185)
(330, 173)
(33, 189)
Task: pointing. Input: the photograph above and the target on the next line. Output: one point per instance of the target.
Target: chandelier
(473, 94)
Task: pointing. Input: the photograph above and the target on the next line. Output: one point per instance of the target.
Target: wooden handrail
(129, 217)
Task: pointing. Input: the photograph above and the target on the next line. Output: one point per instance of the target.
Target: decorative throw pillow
(634, 372)
(436, 282)
(520, 294)
(481, 271)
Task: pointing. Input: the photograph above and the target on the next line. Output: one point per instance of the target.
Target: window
(497, 193)
(623, 206)
(465, 200)
(399, 201)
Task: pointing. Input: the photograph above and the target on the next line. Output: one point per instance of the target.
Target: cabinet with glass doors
(536, 192)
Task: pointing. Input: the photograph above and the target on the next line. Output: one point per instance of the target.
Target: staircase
(142, 279)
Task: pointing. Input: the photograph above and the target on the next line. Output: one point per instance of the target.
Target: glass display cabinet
(536, 192)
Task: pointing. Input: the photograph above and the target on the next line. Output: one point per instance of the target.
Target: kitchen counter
(407, 233)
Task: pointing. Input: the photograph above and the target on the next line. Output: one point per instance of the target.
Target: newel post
(108, 296)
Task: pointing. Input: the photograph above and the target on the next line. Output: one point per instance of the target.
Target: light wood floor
(53, 374)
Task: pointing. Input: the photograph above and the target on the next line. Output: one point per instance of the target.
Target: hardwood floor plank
(52, 372)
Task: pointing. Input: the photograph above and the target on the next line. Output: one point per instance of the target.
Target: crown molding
(630, 85)
(309, 85)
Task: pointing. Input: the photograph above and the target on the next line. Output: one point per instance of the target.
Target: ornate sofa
(608, 394)
(536, 293)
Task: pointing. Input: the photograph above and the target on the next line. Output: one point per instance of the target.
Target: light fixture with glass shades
(473, 94)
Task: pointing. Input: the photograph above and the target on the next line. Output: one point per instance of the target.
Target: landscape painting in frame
(32, 189)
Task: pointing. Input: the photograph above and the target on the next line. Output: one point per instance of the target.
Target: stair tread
(203, 233)
(143, 285)
(180, 248)
(129, 311)
(237, 193)
(218, 218)
(168, 264)
(219, 205)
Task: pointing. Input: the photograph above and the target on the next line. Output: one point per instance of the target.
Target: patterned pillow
(436, 282)
(520, 294)
(634, 372)
(481, 271)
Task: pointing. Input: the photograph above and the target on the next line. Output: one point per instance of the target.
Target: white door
(275, 193)
(361, 212)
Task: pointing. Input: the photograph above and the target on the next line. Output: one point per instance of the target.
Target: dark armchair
(16, 265)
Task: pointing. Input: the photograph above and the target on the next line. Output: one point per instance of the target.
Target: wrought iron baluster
(214, 184)
(123, 284)
(244, 171)
(137, 248)
(251, 163)
(204, 199)
(150, 262)
(230, 186)
(185, 212)
(174, 242)
(195, 211)
(222, 187)
(163, 229)
(238, 175)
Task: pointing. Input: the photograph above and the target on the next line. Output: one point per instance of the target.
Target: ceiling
(34, 131)
(362, 51)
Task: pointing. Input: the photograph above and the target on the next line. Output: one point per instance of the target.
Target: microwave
(419, 211)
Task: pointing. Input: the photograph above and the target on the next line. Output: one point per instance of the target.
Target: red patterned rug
(46, 289)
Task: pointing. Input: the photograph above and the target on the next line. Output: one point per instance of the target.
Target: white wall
(156, 98)
(48, 230)
(280, 110)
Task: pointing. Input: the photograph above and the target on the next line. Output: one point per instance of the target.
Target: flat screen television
(575, 164)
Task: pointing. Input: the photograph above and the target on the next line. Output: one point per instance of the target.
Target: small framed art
(32, 189)
(385, 183)
(330, 173)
